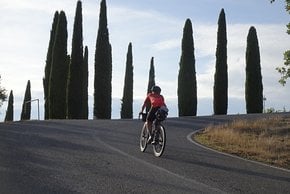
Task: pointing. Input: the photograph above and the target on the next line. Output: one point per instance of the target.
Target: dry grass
(265, 140)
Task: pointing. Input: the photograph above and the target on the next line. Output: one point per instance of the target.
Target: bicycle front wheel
(144, 138)
(160, 141)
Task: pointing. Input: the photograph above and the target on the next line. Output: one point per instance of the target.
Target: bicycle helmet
(156, 89)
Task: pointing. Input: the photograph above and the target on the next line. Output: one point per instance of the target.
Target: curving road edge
(189, 138)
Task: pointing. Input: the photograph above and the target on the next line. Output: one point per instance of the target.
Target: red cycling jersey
(156, 100)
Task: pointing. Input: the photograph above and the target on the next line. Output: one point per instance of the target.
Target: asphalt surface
(102, 156)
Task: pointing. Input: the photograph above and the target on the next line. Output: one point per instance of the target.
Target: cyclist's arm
(163, 101)
(147, 100)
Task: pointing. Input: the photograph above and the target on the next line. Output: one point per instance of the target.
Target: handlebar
(144, 115)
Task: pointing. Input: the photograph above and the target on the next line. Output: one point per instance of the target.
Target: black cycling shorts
(151, 114)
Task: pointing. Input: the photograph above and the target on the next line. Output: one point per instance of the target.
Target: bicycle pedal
(150, 139)
(154, 142)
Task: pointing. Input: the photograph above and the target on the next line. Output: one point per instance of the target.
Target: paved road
(103, 157)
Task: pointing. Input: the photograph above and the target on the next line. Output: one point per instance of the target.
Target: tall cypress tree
(253, 85)
(127, 100)
(103, 69)
(75, 77)
(151, 80)
(59, 71)
(85, 70)
(48, 65)
(26, 106)
(187, 91)
(10, 108)
(221, 74)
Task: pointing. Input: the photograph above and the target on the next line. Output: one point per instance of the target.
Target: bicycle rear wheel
(160, 139)
(144, 138)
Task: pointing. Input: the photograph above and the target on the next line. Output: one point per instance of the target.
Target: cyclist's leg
(149, 126)
(150, 118)
(155, 132)
(151, 121)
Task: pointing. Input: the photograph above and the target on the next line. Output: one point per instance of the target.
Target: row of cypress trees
(66, 77)
(187, 84)
(187, 88)
(253, 83)
(65, 81)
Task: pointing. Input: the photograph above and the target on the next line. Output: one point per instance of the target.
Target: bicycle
(159, 134)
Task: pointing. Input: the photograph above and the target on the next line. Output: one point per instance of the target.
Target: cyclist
(156, 100)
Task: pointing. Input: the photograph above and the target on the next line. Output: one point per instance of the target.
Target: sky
(155, 29)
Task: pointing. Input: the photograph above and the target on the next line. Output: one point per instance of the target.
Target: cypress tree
(253, 85)
(59, 71)
(151, 80)
(10, 108)
(221, 74)
(127, 100)
(26, 106)
(75, 78)
(103, 69)
(85, 109)
(48, 66)
(187, 91)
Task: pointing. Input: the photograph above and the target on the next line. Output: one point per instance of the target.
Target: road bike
(158, 132)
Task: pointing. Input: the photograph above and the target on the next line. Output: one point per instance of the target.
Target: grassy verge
(264, 140)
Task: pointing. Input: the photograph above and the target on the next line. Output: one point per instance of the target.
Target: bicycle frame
(159, 138)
